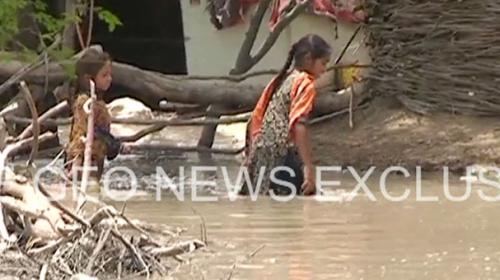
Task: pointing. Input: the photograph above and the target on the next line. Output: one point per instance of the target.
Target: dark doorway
(152, 35)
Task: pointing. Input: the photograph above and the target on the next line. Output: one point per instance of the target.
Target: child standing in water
(277, 135)
(95, 66)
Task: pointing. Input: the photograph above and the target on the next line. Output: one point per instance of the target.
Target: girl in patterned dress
(93, 65)
(278, 151)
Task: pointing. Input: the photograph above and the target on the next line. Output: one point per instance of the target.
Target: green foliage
(62, 55)
(108, 17)
(50, 27)
(8, 19)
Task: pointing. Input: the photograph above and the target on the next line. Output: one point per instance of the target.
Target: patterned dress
(76, 147)
(270, 130)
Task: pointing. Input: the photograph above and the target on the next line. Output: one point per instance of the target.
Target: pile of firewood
(43, 238)
(437, 55)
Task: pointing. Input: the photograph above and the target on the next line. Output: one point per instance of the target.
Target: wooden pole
(87, 158)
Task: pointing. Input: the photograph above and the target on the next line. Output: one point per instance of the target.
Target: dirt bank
(386, 134)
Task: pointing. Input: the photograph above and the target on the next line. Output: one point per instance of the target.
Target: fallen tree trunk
(152, 87)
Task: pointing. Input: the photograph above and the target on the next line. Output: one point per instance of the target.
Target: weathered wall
(213, 52)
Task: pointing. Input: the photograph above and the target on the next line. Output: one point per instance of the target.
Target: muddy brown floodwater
(351, 237)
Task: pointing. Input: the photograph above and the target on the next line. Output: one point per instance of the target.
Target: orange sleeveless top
(302, 96)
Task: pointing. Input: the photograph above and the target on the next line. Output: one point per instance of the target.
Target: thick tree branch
(244, 57)
(139, 121)
(54, 111)
(273, 36)
(173, 148)
(142, 133)
(34, 116)
(91, 23)
(89, 141)
(29, 68)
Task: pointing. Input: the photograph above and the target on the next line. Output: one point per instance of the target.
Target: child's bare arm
(302, 141)
(303, 144)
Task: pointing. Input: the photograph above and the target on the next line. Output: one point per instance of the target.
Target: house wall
(214, 52)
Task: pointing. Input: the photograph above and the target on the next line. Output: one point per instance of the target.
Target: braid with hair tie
(283, 72)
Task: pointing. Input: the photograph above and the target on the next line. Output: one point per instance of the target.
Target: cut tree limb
(244, 57)
(138, 121)
(19, 74)
(142, 133)
(35, 125)
(184, 122)
(89, 140)
(165, 147)
(177, 249)
(280, 26)
(54, 111)
(27, 143)
(246, 60)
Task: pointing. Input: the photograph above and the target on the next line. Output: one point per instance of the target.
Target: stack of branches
(44, 239)
(437, 55)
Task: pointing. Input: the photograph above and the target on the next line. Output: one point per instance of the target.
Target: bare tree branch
(54, 111)
(34, 116)
(89, 141)
(165, 147)
(244, 57)
(91, 23)
(142, 133)
(280, 26)
(29, 68)
(139, 121)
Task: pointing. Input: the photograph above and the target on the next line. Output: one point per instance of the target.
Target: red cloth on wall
(226, 13)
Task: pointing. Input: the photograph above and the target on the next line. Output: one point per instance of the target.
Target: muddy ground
(385, 133)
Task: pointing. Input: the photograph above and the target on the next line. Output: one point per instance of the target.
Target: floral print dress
(270, 130)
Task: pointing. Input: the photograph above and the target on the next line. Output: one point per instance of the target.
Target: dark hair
(311, 44)
(91, 62)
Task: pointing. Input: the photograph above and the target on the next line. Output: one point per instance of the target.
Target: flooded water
(307, 238)
(350, 237)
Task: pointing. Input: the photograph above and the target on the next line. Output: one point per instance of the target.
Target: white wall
(213, 52)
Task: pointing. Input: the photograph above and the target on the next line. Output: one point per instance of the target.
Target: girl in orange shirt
(277, 135)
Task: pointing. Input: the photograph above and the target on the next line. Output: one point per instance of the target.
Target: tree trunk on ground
(151, 87)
